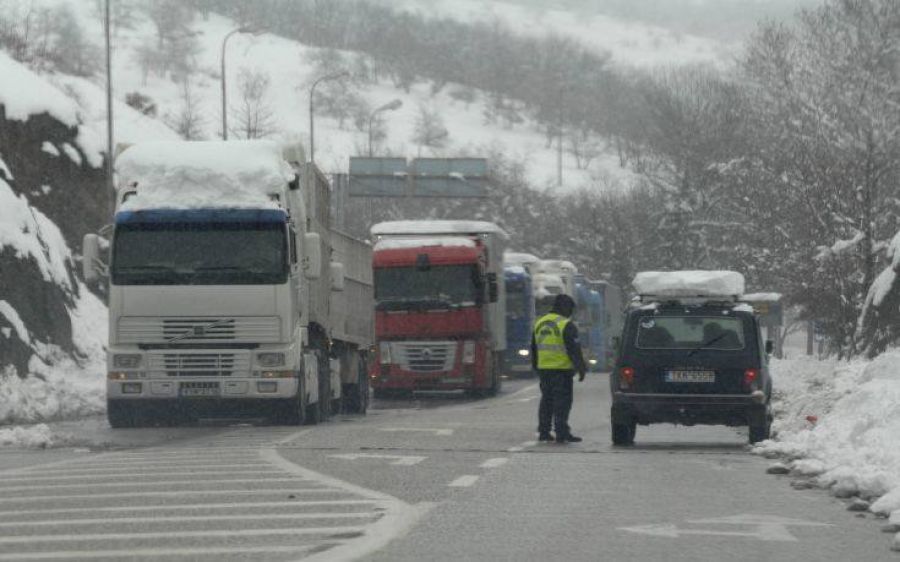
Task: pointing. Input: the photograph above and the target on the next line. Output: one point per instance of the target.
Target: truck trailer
(440, 307)
(229, 292)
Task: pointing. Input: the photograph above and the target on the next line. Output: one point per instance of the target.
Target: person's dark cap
(563, 304)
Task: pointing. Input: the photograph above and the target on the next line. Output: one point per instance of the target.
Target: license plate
(199, 389)
(691, 376)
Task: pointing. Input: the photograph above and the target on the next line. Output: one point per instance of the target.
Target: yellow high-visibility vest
(551, 347)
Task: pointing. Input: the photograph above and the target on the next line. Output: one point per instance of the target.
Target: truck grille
(199, 364)
(425, 357)
(250, 329)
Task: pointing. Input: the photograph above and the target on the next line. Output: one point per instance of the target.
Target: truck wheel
(623, 433)
(120, 414)
(290, 412)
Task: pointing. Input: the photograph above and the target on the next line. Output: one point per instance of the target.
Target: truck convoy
(440, 307)
(229, 292)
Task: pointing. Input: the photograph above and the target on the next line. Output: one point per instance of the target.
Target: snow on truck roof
(404, 228)
(184, 174)
(519, 258)
(405, 243)
(689, 284)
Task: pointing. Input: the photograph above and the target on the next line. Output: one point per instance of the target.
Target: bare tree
(189, 122)
(429, 129)
(254, 116)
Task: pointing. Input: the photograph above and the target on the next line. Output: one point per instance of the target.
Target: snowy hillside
(628, 43)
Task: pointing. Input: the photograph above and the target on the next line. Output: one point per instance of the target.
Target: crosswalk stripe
(181, 534)
(93, 476)
(136, 483)
(189, 506)
(185, 519)
(133, 495)
(136, 552)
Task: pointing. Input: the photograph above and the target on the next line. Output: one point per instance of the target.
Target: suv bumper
(690, 409)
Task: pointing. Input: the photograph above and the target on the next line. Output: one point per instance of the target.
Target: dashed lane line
(464, 481)
(494, 463)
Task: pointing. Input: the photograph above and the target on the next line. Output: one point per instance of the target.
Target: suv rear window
(690, 332)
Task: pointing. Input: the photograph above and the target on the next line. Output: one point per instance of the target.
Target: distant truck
(607, 329)
(519, 318)
(551, 278)
(440, 307)
(230, 293)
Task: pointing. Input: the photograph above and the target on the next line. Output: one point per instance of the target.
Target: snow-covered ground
(838, 424)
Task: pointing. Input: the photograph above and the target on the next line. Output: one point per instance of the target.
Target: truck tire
(120, 414)
(623, 433)
(290, 412)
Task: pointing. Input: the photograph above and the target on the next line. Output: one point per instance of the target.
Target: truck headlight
(126, 361)
(524, 352)
(468, 356)
(270, 359)
(384, 353)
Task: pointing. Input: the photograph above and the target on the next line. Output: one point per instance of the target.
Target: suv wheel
(760, 432)
(623, 433)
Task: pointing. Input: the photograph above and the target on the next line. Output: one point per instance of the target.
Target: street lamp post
(312, 96)
(390, 106)
(110, 183)
(224, 84)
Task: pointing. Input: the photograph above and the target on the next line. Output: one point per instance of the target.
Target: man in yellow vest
(556, 355)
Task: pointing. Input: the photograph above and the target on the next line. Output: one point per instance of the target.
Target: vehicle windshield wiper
(707, 343)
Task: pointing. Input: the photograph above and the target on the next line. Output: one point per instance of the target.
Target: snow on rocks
(28, 437)
(689, 283)
(203, 174)
(854, 446)
(778, 468)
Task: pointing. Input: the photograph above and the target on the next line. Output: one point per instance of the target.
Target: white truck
(229, 293)
(551, 278)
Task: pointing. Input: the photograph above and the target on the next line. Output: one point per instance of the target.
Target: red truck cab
(436, 301)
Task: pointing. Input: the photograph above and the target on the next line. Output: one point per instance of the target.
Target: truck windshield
(200, 254)
(412, 287)
(516, 300)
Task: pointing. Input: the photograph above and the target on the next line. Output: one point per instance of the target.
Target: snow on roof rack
(694, 286)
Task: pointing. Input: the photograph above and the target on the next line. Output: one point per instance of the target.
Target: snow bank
(29, 437)
(436, 227)
(840, 423)
(203, 174)
(24, 93)
(689, 283)
(403, 243)
(8, 312)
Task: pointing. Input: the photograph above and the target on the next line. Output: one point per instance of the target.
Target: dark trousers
(556, 401)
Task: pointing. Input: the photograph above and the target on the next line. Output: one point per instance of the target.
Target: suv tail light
(626, 377)
(750, 377)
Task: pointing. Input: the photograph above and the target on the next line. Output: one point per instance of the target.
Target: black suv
(702, 363)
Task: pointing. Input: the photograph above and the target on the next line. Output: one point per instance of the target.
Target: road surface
(435, 478)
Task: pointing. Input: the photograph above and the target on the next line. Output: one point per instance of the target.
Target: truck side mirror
(770, 347)
(337, 276)
(92, 267)
(493, 288)
(312, 255)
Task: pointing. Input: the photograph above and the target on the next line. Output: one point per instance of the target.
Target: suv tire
(623, 433)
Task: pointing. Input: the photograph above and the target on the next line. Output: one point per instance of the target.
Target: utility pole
(312, 96)
(110, 151)
(224, 85)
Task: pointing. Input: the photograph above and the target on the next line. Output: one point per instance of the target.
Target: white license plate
(204, 390)
(691, 376)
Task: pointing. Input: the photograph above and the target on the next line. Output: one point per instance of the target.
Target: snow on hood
(689, 283)
(436, 227)
(203, 174)
(402, 243)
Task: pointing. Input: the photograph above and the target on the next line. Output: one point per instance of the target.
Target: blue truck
(519, 319)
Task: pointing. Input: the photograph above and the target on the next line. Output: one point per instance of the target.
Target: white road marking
(525, 390)
(529, 399)
(443, 432)
(188, 518)
(763, 527)
(464, 481)
(92, 477)
(521, 447)
(223, 533)
(132, 495)
(398, 460)
(184, 506)
(494, 463)
(137, 483)
(203, 470)
(156, 552)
